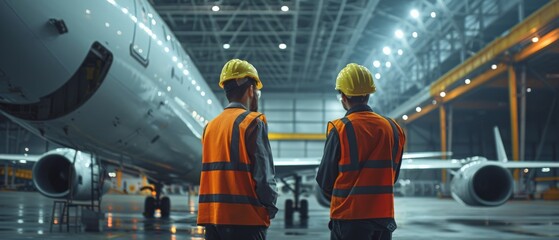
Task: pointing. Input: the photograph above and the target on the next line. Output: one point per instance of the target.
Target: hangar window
(74, 93)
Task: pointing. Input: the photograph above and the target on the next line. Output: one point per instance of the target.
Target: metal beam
(513, 116)
(332, 34)
(359, 28)
(293, 41)
(312, 41)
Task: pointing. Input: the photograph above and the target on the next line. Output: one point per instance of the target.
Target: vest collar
(359, 108)
(236, 105)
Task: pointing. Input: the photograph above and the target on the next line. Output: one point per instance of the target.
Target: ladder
(67, 212)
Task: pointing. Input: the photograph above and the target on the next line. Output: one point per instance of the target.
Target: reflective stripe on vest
(364, 186)
(227, 190)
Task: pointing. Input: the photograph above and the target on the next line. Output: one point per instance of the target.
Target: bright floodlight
(400, 52)
(209, 101)
(414, 34)
(442, 94)
(418, 109)
(376, 63)
(467, 81)
(215, 8)
(399, 33)
(414, 13)
(388, 64)
(535, 39)
(282, 46)
(386, 50)
(377, 76)
(226, 46)
(405, 117)
(494, 66)
(433, 14)
(284, 8)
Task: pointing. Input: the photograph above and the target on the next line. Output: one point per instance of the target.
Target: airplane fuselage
(106, 77)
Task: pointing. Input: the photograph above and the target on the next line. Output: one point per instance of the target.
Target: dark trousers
(358, 230)
(221, 232)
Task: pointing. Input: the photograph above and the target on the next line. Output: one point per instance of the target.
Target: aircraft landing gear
(157, 202)
(292, 206)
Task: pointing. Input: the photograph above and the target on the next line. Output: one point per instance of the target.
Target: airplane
(477, 181)
(109, 79)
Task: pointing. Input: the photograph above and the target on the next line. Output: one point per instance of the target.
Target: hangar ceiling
(300, 45)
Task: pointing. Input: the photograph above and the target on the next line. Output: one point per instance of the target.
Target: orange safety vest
(371, 150)
(227, 189)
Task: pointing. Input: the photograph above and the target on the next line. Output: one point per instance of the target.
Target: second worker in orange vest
(361, 162)
(237, 186)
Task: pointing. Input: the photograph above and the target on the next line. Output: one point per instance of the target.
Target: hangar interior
(477, 53)
(448, 71)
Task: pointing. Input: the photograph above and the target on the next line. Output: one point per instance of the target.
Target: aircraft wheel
(165, 207)
(289, 212)
(149, 207)
(304, 209)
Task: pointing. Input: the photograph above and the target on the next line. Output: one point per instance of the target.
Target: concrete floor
(26, 215)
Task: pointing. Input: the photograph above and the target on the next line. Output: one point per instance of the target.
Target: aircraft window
(142, 30)
(70, 96)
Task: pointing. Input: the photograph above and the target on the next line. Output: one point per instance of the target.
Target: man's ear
(251, 91)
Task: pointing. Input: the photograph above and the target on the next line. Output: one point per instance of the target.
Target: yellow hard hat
(355, 80)
(238, 69)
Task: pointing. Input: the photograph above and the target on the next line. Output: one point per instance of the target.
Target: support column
(6, 169)
(442, 115)
(514, 118)
(522, 112)
(119, 179)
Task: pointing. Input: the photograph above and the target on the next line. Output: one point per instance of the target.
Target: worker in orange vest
(237, 186)
(361, 162)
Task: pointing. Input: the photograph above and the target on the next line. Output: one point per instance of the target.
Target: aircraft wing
(293, 162)
(530, 164)
(17, 157)
(431, 164)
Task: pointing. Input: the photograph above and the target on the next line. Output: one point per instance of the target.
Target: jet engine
(482, 183)
(53, 174)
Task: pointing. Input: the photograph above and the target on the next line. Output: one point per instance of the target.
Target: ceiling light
(414, 34)
(386, 50)
(376, 63)
(87, 11)
(414, 13)
(535, 39)
(215, 8)
(399, 33)
(467, 81)
(226, 46)
(282, 46)
(405, 117)
(284, 8)
(193, 82)
(433, 14)
(418, 109)
(168, 88)
(528, 89)
(209, 101)
(377, 76)
(442, 94)
(203, 93)
(400, 52)
(494, 66)
(388, 64)
(198, 88)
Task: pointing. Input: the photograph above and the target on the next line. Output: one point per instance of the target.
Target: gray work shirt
(262, 167)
